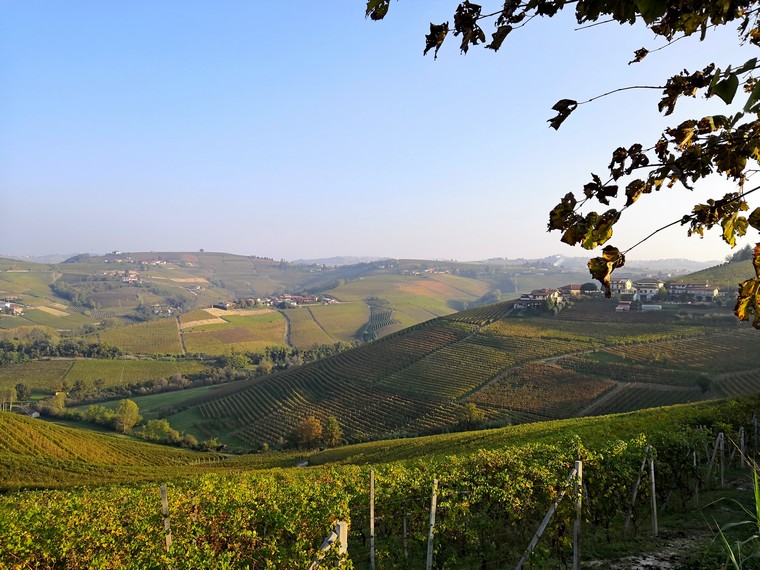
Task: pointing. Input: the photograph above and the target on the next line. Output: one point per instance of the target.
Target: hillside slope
(515, 367)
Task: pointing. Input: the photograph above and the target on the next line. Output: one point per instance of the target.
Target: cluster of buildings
(284, 301)
(626, 290)
(12, 306)
(646, 289)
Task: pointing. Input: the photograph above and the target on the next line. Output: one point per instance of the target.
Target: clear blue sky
(301, 130)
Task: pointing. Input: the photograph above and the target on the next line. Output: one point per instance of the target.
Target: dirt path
(181, 337)
(675, 550)
(324, 330)
(287, 328)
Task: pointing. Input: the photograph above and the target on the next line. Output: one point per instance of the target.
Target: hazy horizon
(294, 130)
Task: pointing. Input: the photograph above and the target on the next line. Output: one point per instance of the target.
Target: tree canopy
(705, 147)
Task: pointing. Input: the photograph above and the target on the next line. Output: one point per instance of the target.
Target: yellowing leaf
(601, 268)
(733, 226)
(748, 300)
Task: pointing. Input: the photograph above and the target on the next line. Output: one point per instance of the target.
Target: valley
(495, 402)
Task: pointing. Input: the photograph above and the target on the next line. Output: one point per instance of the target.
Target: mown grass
(305, 332)
(341, 321)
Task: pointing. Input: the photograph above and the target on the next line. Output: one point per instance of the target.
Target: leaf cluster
(723, 145)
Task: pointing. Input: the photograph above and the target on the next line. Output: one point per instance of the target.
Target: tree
(7, 397)
(159, 430)
(23, 392)
(127, 416)
(308, 432)
(470, 416)
(332, 433)
(589, 288)
(715, 146)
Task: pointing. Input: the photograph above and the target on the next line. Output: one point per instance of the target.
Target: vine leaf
(748, 301)
(377, 9)
(726, 88)
(563, 107)
(639, 55)
(498, 37)
(733, 226)
(435, 38)
(601, 268)
(754, 219)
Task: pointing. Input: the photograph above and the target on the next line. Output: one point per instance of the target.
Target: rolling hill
(514, 366)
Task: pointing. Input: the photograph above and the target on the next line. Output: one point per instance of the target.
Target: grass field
(305, 332)
(73, 320)
(40, 375)
(118, 372)
(43, 376)
(153, 337)
(341, 321)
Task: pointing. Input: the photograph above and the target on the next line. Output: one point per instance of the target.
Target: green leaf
(377, 9)
(753, 98)
(748, 65)
(754, 219)
(726, 88)
(651, 9)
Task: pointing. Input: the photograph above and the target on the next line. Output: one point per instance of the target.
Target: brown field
(52, 311)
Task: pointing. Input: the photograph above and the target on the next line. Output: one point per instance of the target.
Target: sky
(299, 130)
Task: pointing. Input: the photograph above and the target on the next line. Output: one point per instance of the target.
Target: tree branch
(687, 218)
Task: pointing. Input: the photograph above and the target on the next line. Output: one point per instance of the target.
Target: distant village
(643, 293)
(284, 301)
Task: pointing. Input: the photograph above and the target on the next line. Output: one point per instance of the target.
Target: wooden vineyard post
(431, 528)
(742, 446)
(628, 518)
(339, 535)
(578, 511)
(754, 432)
(547, 519)
(696, 480)
(372, 519)
(722, 445)
(653, 490)
(167, 522)
(718, 446)
(406, 514)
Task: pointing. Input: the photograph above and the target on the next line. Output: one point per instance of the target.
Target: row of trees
(40, 344)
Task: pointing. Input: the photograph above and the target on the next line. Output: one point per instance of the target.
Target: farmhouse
(13, 309)
(620, 285)
(572, 290)
(529, 304)
(696, 291)
(646, 289)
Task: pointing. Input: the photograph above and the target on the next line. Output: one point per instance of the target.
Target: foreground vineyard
(514, 367)
(489, 501)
